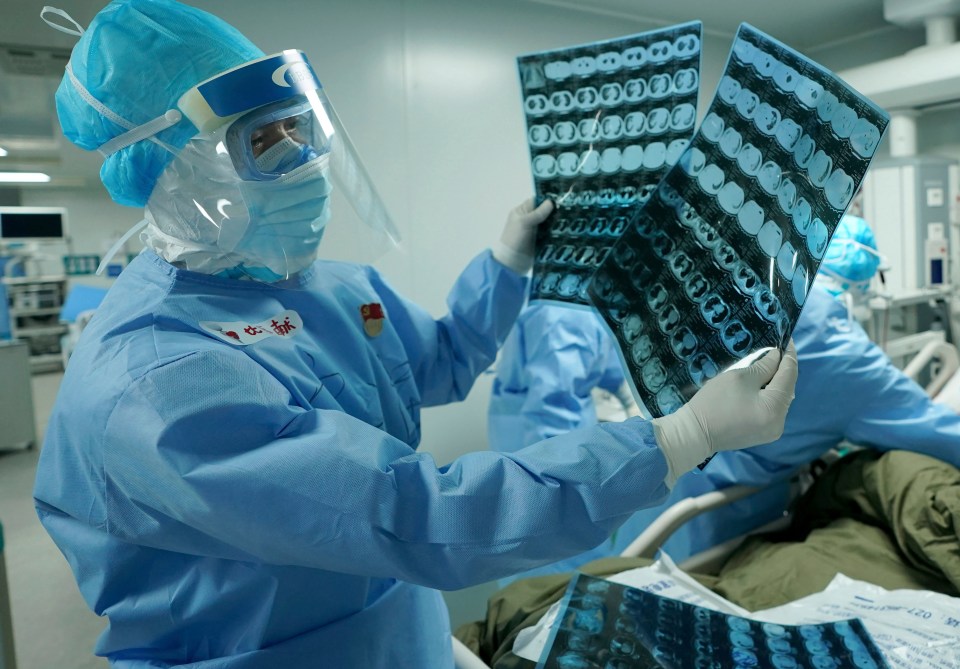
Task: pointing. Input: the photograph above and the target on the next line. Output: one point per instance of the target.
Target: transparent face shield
(271, 173)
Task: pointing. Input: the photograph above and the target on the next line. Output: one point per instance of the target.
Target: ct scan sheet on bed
(914, 629)
(604, 123)
(605, 624)
(715, 264)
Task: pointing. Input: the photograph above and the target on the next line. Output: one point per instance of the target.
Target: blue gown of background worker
(848, 389)
(264, 505)
(548, 368)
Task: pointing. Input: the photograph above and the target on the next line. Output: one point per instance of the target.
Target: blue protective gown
(264, 505)
(847, 390)
(551, 361)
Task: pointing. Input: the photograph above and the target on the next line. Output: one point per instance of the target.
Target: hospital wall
(428, 91)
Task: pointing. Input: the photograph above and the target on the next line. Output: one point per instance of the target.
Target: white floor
(52, 626)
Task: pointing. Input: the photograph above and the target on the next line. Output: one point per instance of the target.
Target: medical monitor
(32, 224)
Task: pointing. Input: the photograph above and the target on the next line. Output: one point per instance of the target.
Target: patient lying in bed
(892, 519)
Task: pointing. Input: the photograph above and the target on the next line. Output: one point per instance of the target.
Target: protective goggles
(267, 143)
(275, 108)
(278, 118)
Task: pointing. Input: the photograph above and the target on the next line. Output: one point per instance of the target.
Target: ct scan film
(611, 626)
(717, 264)
(604, 123)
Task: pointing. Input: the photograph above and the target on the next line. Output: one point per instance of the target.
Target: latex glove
(515, 249)
(737, 409)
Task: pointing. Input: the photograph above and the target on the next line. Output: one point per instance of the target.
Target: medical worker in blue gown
(231, 467)
(550, 366)
(547, 376)
(847, 390)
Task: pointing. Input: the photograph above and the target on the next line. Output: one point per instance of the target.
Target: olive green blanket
(892, 519)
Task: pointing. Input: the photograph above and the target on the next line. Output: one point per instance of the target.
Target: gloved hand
(515, 249)
(737, 409)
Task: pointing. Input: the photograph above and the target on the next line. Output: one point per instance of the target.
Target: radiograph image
(605, 121)
(717, 261)
(684, 343)
(606, 625)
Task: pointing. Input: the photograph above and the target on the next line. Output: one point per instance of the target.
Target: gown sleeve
(210, 455)
(447, 354)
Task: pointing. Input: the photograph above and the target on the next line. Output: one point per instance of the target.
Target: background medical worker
(547, 374)
(848, 389)
(230, 467)
(549, 367)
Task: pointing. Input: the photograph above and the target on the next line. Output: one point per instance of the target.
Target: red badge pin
(372, 315)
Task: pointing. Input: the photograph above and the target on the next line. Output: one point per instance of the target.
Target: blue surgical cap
(137, 57)
(851, 258)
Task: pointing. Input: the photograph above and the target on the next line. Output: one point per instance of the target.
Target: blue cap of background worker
(851, 259)
(106, 93)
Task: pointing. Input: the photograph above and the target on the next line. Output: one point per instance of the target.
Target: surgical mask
(286, 156)
(287, 216)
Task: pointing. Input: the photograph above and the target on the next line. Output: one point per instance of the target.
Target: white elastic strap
(826, 271)
(120, 242)
(95, 103)
(848, 303)
(146, 131)
(56, 26)
(863, 247)
(116, 118)
(862, 286)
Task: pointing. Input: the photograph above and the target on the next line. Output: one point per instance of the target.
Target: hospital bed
(655, 535)
(943, 362)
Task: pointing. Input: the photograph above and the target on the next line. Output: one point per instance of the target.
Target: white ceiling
(804, 24)
(809, 26)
